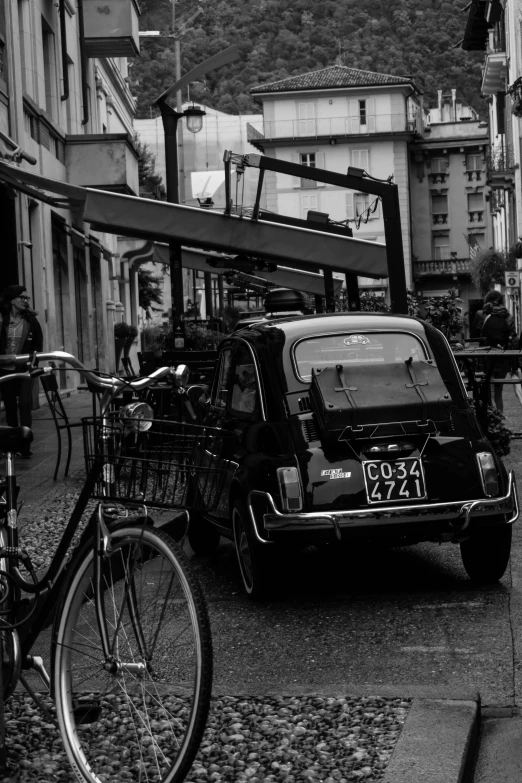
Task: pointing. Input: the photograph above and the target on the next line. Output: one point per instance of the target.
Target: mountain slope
(280, 38)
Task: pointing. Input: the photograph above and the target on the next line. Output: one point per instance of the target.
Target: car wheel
(202, 536)
(485, 554)
(254, 558)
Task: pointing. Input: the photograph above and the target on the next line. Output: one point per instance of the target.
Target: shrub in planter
(498, 434)
(444, 313)
(121, 330)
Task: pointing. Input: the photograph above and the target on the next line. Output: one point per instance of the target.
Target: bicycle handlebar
(112, 383)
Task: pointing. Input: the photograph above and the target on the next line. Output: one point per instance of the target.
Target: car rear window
(355, 349)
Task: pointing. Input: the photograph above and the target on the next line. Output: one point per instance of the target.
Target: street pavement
(404, 623)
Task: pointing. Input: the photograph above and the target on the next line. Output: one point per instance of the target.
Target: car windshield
(355, 349)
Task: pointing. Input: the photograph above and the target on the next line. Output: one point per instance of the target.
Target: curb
(438, 742)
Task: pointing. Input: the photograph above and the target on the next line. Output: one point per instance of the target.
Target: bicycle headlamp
(181, 375)
(137, 416)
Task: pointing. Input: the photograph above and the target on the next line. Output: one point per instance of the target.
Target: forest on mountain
(280, 38)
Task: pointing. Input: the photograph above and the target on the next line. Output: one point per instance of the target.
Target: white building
(335, 118)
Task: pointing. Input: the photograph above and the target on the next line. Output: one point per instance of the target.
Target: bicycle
(131, 654)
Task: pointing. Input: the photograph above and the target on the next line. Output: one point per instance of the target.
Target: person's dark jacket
(509, 333)
(32, 335)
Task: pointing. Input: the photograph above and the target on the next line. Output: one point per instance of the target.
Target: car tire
(202, 536)
(254, 559)
(485, 554)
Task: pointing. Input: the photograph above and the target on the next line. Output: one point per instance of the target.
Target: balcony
(494, 70)
(476, 216)
(450, 266)
(440, 219)
(106, 161)
(439, 178)
(111, 28)
(328, 127)
(500, 165)
(474, 175)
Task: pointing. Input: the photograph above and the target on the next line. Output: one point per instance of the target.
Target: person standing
(20, 332)
(497, 330)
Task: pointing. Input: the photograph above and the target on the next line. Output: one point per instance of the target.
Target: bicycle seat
(15, 438)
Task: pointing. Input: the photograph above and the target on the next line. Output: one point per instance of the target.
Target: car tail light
(290, 489)
(488, 473)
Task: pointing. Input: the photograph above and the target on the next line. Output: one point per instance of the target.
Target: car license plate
(399, 480)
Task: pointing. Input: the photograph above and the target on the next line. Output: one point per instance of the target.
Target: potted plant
(121, 333)
(132, 333)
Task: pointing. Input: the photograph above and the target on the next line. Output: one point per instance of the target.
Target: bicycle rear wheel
(140, 715)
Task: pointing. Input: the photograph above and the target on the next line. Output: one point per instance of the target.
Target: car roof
(300, 326)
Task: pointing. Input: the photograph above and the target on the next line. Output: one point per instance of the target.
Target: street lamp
(170, 118)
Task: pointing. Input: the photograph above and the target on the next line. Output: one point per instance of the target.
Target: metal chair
(61, 420)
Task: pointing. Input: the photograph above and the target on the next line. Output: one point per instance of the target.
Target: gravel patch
(295, 739)
(260, 740)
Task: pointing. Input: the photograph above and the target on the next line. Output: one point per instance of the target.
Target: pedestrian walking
(20, 332)
(497, 331)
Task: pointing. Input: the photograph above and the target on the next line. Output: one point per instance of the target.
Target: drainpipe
(65, 64)
(83, 64)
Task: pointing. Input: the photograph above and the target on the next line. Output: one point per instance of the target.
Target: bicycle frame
(48, 589)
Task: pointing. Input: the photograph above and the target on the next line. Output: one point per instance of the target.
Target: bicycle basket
(169, 465)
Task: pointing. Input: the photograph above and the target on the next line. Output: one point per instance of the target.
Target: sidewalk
(446, 738)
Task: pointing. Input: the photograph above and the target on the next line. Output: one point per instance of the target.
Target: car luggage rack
(393, 429)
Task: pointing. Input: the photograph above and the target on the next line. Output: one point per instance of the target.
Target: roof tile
(334, 76)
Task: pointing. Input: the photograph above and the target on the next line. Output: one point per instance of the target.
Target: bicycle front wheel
(138, 714)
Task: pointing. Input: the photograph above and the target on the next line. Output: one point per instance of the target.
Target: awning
(309, 282)
(298, 248)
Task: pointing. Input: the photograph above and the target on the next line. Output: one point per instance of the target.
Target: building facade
(65, 100)
(449, 201)
(335, 118)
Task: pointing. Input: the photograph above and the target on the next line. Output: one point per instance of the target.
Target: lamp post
(170, 118)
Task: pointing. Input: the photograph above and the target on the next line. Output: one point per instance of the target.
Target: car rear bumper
(452, 518)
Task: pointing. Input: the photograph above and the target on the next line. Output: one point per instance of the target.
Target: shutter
(370, 114)
(356, 159)
(296, 181)
(364, 162)
(320, 164)
(354, 117)
(349, 206)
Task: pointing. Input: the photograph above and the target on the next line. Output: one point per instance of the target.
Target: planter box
(111, 28)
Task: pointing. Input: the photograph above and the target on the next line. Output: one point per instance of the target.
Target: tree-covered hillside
(280, 38)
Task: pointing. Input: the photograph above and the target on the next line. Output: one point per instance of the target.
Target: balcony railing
(450, 266)
(331, 126)
(500, 159)
(436, 177)
(476, 216)
(440, 219)
(474, 174)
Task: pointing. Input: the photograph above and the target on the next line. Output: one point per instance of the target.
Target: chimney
(454, 104)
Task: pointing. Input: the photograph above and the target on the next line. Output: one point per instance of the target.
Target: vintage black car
(351, 427)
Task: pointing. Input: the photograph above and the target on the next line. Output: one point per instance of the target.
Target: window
(49, 69)
(439, 209)
(308, 159)
(356, 350)
(361, 159)
(441, 248)
(362, 112)
(220, 390)
(358, 204)
(474, 162)
(475, 207)
(245, 391)
(308, 202)
(362, 116)
(2, 60)
(439, 165)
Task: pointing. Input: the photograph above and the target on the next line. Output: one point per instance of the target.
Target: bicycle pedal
(87, 712)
